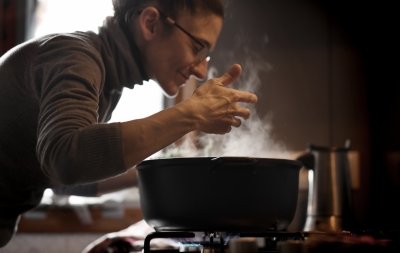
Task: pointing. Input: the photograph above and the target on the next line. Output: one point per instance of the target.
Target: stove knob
(243, 245)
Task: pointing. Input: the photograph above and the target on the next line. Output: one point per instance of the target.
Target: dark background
(329, 74)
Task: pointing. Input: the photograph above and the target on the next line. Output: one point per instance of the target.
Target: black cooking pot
(218, 193)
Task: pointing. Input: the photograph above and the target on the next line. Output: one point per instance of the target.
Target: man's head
(124, 8)
(174, 36)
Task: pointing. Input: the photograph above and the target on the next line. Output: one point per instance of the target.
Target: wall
(311, 76)
(16, 19)
(8, 22)
(319, 78)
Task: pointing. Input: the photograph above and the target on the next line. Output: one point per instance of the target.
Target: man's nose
(199, 70)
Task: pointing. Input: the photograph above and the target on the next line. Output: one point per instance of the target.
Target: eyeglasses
(202, 51)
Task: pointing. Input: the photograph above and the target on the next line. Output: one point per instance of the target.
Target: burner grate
(218, 242)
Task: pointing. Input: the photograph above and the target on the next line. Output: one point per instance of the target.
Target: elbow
(63, 171)
(66, 173)
(60, 165)
(60, 160)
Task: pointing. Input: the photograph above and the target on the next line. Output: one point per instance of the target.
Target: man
(57, 93)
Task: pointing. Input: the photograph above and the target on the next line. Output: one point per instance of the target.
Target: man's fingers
(247, 97)
(231, 75)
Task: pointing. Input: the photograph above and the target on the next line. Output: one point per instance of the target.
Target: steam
(253, 138)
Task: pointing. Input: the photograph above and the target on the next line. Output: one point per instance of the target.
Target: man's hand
(216, 107)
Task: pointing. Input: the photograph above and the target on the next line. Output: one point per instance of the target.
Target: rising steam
(253, 138)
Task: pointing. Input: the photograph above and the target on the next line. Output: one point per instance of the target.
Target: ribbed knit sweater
(56, 95)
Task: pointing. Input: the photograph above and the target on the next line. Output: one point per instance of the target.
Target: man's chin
(171, 96)
(172, 93)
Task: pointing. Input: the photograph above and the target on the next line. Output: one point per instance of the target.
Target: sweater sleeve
(84, 190)
(73, 147)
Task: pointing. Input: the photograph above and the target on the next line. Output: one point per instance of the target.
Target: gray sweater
(56, 93)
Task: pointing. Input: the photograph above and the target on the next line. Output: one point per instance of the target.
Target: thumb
(231, 75)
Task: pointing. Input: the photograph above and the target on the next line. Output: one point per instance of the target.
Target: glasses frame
(203, 53)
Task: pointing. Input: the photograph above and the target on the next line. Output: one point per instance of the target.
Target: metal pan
(218, 193)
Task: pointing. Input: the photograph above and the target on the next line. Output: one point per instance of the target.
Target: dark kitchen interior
(327, 75)
(332, 78)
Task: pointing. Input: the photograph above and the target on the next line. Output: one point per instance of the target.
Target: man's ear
(148, 20)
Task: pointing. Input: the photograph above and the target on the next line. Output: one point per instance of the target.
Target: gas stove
(276, 242)
(221, 242)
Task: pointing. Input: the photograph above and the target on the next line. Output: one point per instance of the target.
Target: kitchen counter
(49, 242)
(93, 219)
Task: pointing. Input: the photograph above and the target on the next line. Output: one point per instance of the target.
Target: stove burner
(154, 235)
(219, 241)
(277, 242)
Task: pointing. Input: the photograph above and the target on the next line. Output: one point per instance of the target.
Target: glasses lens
(203, 54)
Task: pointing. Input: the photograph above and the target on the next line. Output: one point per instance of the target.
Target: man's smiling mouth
(185, 77)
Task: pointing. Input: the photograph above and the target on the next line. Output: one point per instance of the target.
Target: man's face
(177, 55)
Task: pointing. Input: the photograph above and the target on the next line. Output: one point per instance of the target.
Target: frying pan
(218, 193)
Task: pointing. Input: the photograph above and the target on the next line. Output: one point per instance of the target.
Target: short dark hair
(124, 8)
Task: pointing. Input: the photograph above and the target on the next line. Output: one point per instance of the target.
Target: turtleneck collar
(122, 57)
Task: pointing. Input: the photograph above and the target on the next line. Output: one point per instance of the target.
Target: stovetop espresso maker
(329, 188)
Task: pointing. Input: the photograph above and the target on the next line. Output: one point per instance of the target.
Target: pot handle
(307, 159)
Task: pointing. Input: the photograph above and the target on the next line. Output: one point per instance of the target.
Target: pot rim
(276, 162)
